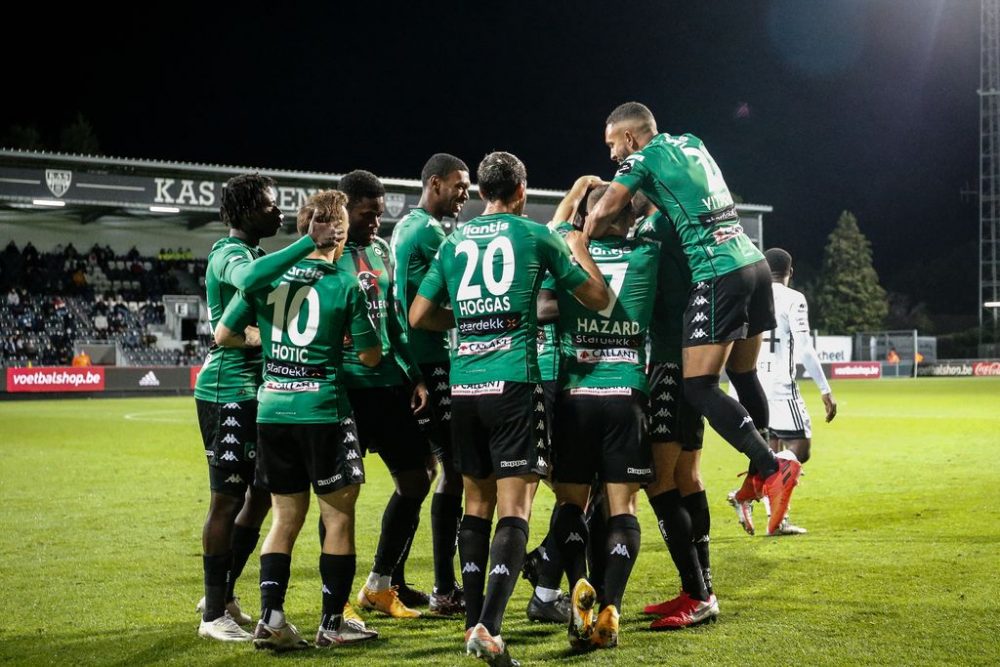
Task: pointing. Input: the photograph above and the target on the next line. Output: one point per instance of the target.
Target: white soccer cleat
(223, 629)
(285, 638)
(234, 609)
(788, 528)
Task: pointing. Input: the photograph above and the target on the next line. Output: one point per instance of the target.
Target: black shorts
(549, 390)
(387, 426)
(499, 427)
(601, 432)
(436, 422)
(229, 433)
(293, 456)
(671, 417)
(735, 306)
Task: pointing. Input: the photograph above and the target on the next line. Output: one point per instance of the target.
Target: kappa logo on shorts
(326, 590)
(329, 480)
(661, 429)
(356, 471)
(501, 568)
(698, 333)
(621, 550)
(664, 396)
(541, 464)
(746, 420)
(539, 407)
(230, 421)
(446, 416)
(639, 471)
(700, 300)
(438, 371)
(230, 439)
(700, 317)
(574, 537)
(470, 568)
(231, 406)
(514, 464)
(445, 400)
(441, 386)
(209, 453)
(234, 479)
(228, 456)
(540, 425)
(347, 421)
(670, 381)
(701, 285)
(663, 412)
(349, 437)
(351, 455)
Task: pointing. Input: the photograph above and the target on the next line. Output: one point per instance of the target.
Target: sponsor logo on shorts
(445, 400)
(514, 464)
(663, 412)
(700, 317)
(441, 386)
(699, 300)
(662, 428)
(470, 568)
(348, 421)
(639, 471)
(329, 480)
(541, 464)
(228, 456)
(601, 391)
(231, 406)
(234, 479)
(209, 453)
(540, 425)
(349, 437)
(701, 285)
(489, 324)
(230, 421)
(291, 387)
(485, 347)
(664, 396)
(230, 439)
(356, 471)
(698, 334)
(746, 420)
(438, 371)
(481, 389)
(351, 455)
(611, 355)
(500, 568)
(574, 537)
(620, 550)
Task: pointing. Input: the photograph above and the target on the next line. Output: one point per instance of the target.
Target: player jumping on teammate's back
(415, 241)
(600, 423)
(730, 304)
(225, 395)
(677, 495)
(788, 343)
(306, 433)
(490, 270)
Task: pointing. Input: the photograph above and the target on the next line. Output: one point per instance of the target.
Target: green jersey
(608, 348)
(415, 240)
(304, 318)
(547, 343)
(673, 283)
(491, 269)
(372, 266)
(231, 374)
(683, 181)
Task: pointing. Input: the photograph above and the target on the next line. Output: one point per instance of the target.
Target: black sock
(730, 420)
(623, 550)
(217, 571)
(398, 523)
(473, 552)
(571, 535)
(752, 397)
(275, 569)
(244, 542)
(701, 523)
(550, 569)
(337, 573)
(506, 561)
(399, 572)
(445, 513)
(597, 555)
(675, 526)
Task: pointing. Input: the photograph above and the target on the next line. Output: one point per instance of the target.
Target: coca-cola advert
(856, 370)
(46, 378)
(986, 368)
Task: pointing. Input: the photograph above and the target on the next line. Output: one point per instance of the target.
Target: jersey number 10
(297, 335)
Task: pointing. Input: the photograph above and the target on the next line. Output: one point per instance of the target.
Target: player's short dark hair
(441, 165)
(360, 184)
(595, 195)
(499, 174)
(779, 260)
(326, 205)
(241, 196)
(636, 112)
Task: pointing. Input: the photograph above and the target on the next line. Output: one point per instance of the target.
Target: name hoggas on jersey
(292, 370)
(483, 306)
(489, 324)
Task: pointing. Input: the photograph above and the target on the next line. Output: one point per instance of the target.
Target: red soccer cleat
(778, 488)
(744, 511)
(694, 612)
(667, 608)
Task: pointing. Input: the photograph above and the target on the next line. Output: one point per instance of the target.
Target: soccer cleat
(606, 628)
(285, 638)
(386, 601)
(346, 631)
(668, 607)
(447, 604)
(556, 611)
(411, 597)
(744, 511)
(223, 629)
(787, 528)
(581, 622)
(234, 609)
(694, 612)
(778, 488)
(532, 563)
(493, 650)
(351, 614)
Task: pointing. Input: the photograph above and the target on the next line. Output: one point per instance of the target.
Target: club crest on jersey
(58, 181)
(395, 202)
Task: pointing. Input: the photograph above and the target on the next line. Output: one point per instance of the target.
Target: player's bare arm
(571, 202)
(830, 405)
(607, 209)
(425, 314)
(593, 293)
(226, 337)
(547, 307)
(371, 356)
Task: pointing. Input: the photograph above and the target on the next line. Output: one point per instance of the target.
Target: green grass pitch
(103, 503)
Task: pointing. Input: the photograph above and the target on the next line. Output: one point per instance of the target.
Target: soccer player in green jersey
(730, 303)
(677, 494)
(491, 269)
(225, 396)
(384, 399)
(306, 435)
(600, 423)
(415, 240)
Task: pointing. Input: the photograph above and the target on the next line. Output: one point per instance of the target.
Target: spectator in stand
(81, 359)
(13, 299)
(101, 325)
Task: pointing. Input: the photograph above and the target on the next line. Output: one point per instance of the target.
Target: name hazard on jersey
(614, 327)
(483, 347)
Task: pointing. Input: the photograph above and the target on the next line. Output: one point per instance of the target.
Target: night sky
(811, 106)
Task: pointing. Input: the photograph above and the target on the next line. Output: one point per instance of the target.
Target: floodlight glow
(48, 202)
(164, 209)
(991, 304)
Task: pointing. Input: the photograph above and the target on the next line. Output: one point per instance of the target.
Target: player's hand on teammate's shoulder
(251, 336)
(830, 404)
(419, 399)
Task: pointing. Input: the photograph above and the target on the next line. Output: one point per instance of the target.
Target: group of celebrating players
(583, 353)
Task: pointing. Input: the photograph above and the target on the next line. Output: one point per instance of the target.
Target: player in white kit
(785, 345)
